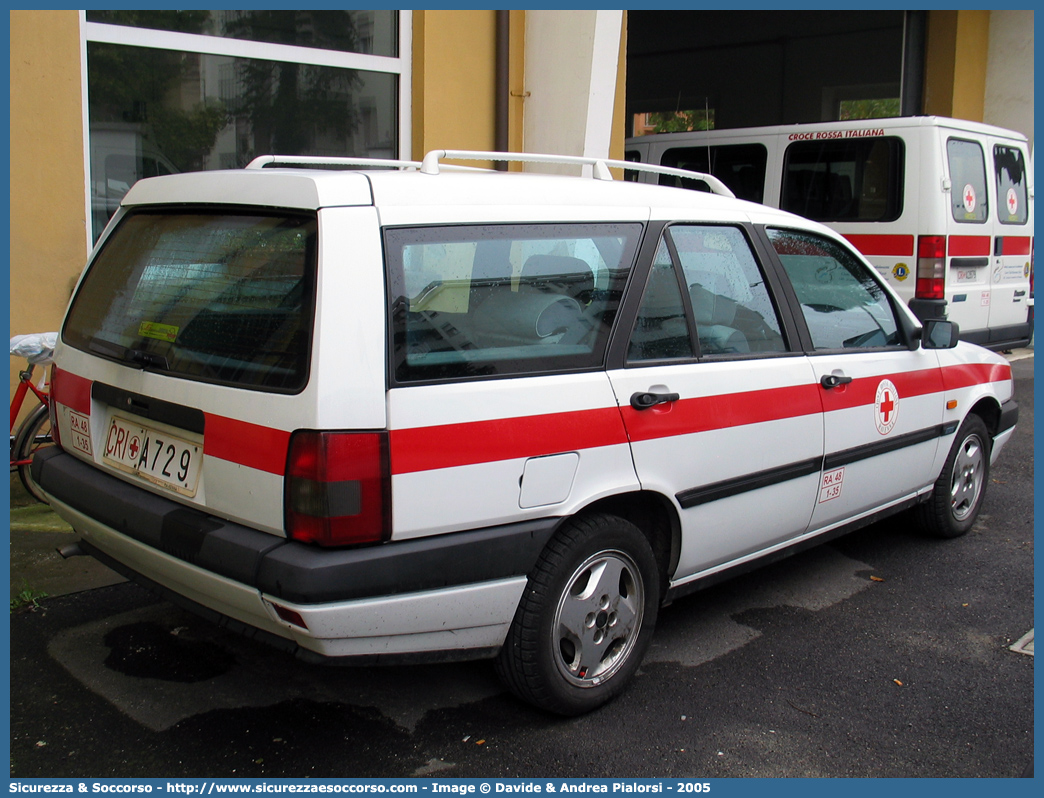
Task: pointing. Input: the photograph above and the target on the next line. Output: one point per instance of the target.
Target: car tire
(959, 491)
(585, 619)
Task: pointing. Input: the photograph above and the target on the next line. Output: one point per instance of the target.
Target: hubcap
(598, 618)
(966, 483)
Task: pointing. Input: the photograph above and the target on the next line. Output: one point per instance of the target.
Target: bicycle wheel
(33, 434)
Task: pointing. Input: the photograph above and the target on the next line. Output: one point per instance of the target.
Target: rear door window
(968, 200)
(1011, 184)
(724, 288)
(496, 300)
(214, 296)
(845, 180)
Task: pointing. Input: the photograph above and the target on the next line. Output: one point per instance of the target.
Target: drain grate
(1025, 644)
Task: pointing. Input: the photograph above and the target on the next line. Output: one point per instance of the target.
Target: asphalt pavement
(880, 654)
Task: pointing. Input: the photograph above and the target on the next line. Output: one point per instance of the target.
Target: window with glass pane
(661, 331)
(846, 180)
(968, 200)
(217, 297)
(504, 299)
(1011, 184)
(730, 301)
(843, 305)
(161, 111)
(741, 167)
(370, 32)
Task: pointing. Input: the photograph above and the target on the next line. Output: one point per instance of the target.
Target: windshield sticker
(161, 332)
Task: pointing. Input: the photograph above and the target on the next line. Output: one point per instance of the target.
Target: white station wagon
(420, 411)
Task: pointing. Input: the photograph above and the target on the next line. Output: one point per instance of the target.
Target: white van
(943, 208)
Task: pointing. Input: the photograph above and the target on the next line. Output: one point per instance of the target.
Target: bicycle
(34, 432)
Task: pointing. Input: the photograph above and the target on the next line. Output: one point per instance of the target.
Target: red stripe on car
(71, 390)
(241, 442)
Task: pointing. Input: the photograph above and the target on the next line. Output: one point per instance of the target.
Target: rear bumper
(449, 593)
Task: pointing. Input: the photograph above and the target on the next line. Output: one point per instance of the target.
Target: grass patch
(27, 599)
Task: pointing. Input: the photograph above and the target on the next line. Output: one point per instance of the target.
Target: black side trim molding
(733, 487)
(773, 476)
(838, 459)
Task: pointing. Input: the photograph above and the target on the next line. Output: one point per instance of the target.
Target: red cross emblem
(969, 198)
(133, 448)
(886, 406)
(1013, 201)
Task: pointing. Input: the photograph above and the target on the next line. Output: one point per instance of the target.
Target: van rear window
(845, 180)
(1011, 184)
(968, 200)
(209, 295)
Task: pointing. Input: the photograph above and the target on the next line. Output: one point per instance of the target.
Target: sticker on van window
(1013, 204)
(161, 332)
(969, 198)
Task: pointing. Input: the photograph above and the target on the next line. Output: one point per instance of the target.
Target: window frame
(306, 313)
(603, 352)
(780, 294)
(122, 35)
(1023, 197)
(895, 198)
(958, 190)
(905, 329)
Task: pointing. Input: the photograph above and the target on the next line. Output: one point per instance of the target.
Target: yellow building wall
(454, 81)
(48, 194)
(956, 64)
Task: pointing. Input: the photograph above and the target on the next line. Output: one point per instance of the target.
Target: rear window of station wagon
(224, 297)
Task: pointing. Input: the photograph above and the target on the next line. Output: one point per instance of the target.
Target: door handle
(829, 381)
(647, 399)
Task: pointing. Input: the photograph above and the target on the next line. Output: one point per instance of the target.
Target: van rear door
(1012, 243)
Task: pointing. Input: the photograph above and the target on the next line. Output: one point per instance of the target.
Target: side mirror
(939, 334)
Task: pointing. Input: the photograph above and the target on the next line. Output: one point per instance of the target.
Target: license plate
(162, 459)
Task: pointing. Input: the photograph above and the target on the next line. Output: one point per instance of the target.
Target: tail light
(931, 267)
(338, 488)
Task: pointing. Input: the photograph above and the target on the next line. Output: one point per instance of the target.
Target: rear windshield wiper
(147, 359)
(137, 357)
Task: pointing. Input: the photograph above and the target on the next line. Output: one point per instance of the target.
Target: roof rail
(262, 161)
(431, 164)
(599, 166)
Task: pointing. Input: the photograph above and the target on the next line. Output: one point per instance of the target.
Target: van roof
(887, 124)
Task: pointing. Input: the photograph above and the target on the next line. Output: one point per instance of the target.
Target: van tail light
(338, 488)
(931, 267)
